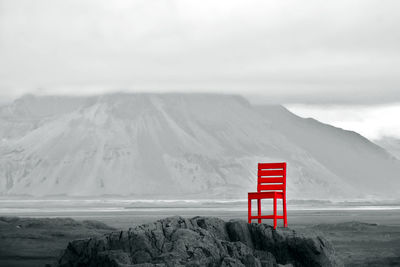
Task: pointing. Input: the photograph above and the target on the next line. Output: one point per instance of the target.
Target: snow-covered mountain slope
(180, 145)
(356, 160)
(390, 144)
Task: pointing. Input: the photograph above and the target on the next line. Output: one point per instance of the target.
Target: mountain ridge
(390, 144)
(175, 144)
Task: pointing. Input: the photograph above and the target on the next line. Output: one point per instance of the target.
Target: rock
(201, 241)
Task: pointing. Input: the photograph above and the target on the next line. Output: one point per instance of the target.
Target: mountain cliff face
(180, 145)
(390, 144)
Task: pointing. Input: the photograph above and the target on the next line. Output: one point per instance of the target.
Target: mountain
(180, 146)
(360, 163)
(390, 144)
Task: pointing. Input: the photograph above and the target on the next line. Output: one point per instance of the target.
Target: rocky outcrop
(200, 241)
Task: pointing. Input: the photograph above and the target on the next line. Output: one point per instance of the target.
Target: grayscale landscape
(362, 234)
(131, 133)
(80, 167)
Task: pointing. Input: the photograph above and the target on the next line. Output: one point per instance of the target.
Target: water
(124, 213)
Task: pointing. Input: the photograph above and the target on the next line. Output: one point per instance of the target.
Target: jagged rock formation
(200, 241)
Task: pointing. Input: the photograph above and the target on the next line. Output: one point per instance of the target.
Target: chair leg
(274, 212)
(259, 210)
(284, 212)
(249, 211)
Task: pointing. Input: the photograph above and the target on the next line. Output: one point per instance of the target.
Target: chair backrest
(271, 177)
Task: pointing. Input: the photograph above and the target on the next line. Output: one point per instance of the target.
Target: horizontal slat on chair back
(271, 165)
(271, 177)
(271, 180)
(270, 172)
(263, 187)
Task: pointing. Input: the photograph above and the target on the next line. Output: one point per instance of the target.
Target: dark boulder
(200, 241)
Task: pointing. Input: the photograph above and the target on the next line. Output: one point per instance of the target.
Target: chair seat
(261, 195)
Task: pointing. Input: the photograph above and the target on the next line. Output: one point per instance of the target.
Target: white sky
(311, 52)
(373, 122)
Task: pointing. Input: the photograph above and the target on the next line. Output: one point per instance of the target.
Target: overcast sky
(287, 51)
(338, 52)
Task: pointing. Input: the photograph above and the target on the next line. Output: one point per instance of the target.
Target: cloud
(373, 122)
(272, 51)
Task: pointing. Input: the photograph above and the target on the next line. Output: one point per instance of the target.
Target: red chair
(271, 183)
